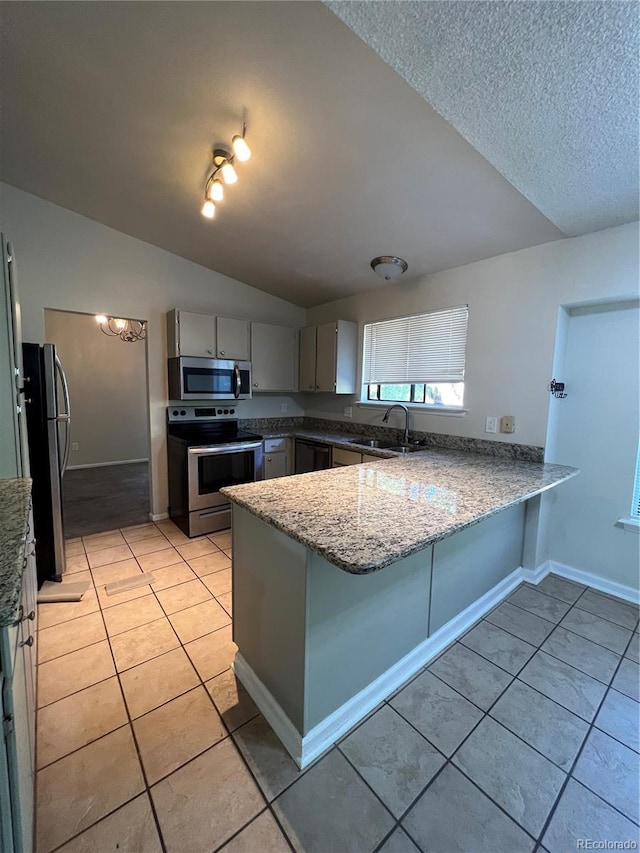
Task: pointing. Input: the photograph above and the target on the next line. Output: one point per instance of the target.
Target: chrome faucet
(385, 419)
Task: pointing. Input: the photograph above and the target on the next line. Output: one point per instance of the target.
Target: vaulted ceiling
(441, 132)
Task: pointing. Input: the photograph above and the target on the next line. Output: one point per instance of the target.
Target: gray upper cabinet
(328, 355)
(308, 358)
(191, 334)
(274, 357)
(207, 336)
(233, 340)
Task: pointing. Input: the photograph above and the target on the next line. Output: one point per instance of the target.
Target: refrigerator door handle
(64, 417)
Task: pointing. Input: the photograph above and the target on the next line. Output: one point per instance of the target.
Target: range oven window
(225, 469)
(213, 380)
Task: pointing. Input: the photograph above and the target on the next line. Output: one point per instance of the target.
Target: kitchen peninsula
(346, 582)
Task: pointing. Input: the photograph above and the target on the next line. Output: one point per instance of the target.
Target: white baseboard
(306, 749)
(287, 733)
(105, 464)
(628, 593)
(158, 516)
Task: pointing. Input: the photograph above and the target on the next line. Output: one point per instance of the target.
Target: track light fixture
(224, 173)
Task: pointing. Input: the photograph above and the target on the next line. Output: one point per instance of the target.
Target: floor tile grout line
(542, 649)
(570, 607)
(228, 737)
(584, 589)
(574, 765)
(108, 815)
(245, 826)
(485, 713)
(137, 746)
(559, 623)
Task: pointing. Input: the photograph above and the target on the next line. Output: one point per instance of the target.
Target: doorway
(595, 429)
(106, 483)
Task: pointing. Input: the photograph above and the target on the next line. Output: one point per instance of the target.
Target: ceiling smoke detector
(389, 267)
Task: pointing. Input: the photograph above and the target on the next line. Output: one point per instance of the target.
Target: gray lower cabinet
(276, 458)
(17, 752)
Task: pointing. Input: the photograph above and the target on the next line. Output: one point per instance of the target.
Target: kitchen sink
(406, 448)
(371, 442)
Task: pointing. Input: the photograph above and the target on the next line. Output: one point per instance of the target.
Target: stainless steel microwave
(209, 379)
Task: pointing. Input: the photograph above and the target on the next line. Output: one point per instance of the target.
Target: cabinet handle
(269, 459)
(28, 642)
(317, 387)
(221, 352)
(255, 384)
(31, 616)
(210, 352)
(20, 615)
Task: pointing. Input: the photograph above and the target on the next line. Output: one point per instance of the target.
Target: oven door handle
(238, 380)
(217, 449)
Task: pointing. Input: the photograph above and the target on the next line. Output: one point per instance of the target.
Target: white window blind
(423, 348)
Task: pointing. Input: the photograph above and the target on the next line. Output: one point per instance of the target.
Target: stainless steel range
(206, 452)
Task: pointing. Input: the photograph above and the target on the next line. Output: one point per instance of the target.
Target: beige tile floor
(523, 735)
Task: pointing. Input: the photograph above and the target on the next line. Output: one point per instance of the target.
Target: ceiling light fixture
(224, 172)
(129, 331)
(389, 267)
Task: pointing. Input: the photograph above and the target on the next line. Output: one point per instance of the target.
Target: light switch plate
(284, 407)
(491, 425)
(348, 411)
(507, 423)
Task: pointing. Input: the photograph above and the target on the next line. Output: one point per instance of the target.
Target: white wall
(595, 428)
(71, 263)
(107, 389)
(513, 306)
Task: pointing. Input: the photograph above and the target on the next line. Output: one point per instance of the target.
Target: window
(418, 359)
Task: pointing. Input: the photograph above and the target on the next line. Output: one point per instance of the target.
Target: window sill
(448, 411)
(632, 525)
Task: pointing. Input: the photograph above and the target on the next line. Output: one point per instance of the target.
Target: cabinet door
(345, 457)
(197, 334)
(308, 358)
(274, 357)
(233, 339)
(275, 465)
(17, 701)
(326, 358)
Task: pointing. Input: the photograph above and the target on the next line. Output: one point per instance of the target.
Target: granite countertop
(365, 517)
(335, 439)
(15, 501)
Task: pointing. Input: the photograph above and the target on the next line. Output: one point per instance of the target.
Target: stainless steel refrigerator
(48, 417)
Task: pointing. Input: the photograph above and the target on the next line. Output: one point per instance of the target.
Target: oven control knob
(175, 413)
(219, 411)
(226, 411)
(182, 412)
(232, 411)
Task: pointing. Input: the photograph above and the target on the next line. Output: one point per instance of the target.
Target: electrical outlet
(75, 445)
(284, 407)
(507, 423)
(491, 425)
(348, 411)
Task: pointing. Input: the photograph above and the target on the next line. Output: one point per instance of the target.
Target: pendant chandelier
(129, 331)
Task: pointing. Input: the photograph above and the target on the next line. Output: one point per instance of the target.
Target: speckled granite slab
(15, 500)
(365, 517)
(337, 432)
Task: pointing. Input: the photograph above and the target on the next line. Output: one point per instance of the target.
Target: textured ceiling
(111, 109)
(547, 91)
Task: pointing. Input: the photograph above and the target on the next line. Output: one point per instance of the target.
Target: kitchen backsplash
(499, 449)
